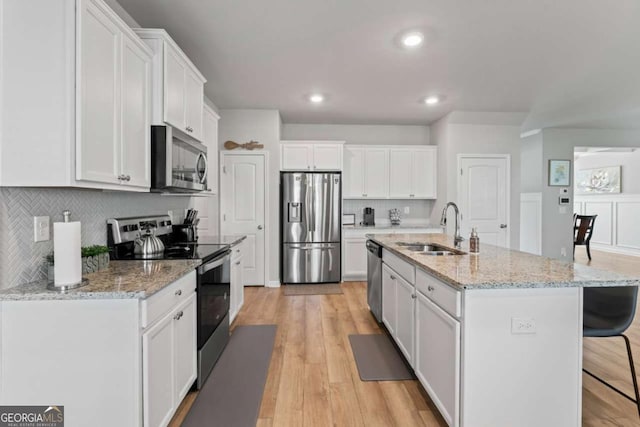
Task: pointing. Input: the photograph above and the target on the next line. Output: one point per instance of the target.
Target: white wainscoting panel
(603, 228)
(628, 229)
(531, 223)
(616, 228)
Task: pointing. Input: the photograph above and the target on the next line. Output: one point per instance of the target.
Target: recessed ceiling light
(316, 98)
(432, 100)
(412, 39)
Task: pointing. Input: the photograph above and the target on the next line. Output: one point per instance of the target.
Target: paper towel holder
(52, 287)
(63, 288)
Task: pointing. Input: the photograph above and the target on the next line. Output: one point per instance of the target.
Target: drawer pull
(413, 296)
(179, 292)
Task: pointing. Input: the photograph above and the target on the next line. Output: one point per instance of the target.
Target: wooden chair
(582, 231)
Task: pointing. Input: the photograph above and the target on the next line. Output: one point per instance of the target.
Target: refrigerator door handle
(311, 247)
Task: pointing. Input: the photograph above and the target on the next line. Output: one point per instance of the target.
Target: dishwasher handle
(374, 248)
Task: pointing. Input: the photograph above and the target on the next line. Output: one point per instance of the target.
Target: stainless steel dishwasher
(374, 279)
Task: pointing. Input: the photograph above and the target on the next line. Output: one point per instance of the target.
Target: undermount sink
(430, 249)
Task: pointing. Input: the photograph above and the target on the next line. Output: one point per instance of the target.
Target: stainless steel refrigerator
(310, 214)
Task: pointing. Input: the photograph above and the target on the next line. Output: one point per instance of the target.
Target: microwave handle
(206, 166)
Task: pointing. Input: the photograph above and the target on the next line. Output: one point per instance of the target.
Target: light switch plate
(41, 231)
(407, 210)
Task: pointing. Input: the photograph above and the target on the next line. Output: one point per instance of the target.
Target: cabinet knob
(430, 288)
(178, 316)
(414, 296)
(237, 262)
(411, 195)
(128, 178)
(121, 177)
(259, 227)
(179, 292)
(393, 277)
(308, 167)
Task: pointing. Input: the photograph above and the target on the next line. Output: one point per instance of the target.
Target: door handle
(259, 227)
(503, 225)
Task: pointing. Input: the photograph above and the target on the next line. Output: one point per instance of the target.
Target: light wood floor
(313, 379)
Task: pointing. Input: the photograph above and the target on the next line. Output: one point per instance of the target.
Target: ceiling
(566, 63)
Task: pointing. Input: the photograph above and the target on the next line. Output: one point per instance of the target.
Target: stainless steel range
(125, 236)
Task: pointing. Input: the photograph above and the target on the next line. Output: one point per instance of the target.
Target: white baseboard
(272, 284)
(611, 249)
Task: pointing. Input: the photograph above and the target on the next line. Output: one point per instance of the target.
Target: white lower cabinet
(237, 282)
(405, 318)
(398, 310)
(354, 266)
(139, 355)
(437, 357)
(158, 375)
(389, 314)
(169, 362)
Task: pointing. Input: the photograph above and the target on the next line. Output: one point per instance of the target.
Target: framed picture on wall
(559, 173)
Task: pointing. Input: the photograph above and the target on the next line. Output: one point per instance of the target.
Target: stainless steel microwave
(177, 164)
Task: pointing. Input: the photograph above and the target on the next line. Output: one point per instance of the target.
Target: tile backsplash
(420, 210)
(22, 260)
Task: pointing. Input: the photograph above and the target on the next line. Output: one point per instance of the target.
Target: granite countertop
(498, 268)
(391, 227)
(122, 279)
(229, 239)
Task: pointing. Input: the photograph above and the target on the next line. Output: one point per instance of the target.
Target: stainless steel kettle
(147, 245)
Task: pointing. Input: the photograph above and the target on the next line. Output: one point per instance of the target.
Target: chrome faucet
(457, 239)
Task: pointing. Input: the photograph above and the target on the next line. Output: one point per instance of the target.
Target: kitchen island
(495, 338)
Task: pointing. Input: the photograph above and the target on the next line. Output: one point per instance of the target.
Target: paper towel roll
(66, 251)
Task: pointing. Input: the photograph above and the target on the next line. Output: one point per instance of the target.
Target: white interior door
(242, 191)
(483, 195)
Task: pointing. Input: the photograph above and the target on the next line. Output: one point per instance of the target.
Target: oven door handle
(213, 264)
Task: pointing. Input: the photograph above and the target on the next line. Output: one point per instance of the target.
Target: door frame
(506, 157)
(265, 155)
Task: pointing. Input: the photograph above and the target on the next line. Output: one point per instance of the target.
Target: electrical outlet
(523, 325)
(407, 210)
(41, 228)
(563, 251)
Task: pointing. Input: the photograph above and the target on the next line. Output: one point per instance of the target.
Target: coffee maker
(368, 217)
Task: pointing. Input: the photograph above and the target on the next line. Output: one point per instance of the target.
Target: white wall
(359, 134)
(455, 138)
(262, 126)
(630, 162)
(124, 15)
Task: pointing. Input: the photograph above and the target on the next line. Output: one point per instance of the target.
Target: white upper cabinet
(396, 172)
(210, 133)
(424, 173)
(174, 88)
(366, 173)
(296, 156)
(91, 106)
(178, 86)
(311, 155)
(100, 45)
(412, 173)
(136, 78)
(194, 103)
